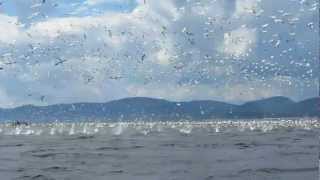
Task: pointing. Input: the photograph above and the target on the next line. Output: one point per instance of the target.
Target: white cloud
(240, 92)
(5, 100)
(97, 2)
(163, 57)
(9, 31)
(247, 7)
(239, 42)
(169, 49)
(94, 2)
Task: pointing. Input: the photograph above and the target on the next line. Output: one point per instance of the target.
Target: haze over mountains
(141, 108)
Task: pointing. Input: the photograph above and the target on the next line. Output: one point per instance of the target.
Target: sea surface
(211, 150)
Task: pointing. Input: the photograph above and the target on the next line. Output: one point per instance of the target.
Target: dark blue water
(143, 152)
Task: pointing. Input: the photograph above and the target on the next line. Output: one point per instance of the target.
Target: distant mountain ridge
(141, 108)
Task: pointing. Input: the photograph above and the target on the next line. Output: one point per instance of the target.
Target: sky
(65, 51)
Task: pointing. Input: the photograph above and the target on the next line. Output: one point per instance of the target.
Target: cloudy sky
(62, 51)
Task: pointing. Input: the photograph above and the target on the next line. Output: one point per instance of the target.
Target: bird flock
(171, 50)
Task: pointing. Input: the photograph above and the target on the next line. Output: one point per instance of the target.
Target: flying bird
(42, 98)
(115, 77)
(61, 61)
(143, 57)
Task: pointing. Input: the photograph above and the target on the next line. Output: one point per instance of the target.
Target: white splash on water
(187, 127)
(52, 131)
(117, 128)
(217, 130)
(71, 132)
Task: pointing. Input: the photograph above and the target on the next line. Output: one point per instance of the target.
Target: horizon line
(163, 99)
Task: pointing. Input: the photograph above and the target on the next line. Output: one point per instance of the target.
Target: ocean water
(222, 150)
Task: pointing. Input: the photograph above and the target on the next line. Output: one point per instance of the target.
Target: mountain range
(142, 108)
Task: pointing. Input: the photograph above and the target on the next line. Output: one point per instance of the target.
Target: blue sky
(62, 8)
(99, 50)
